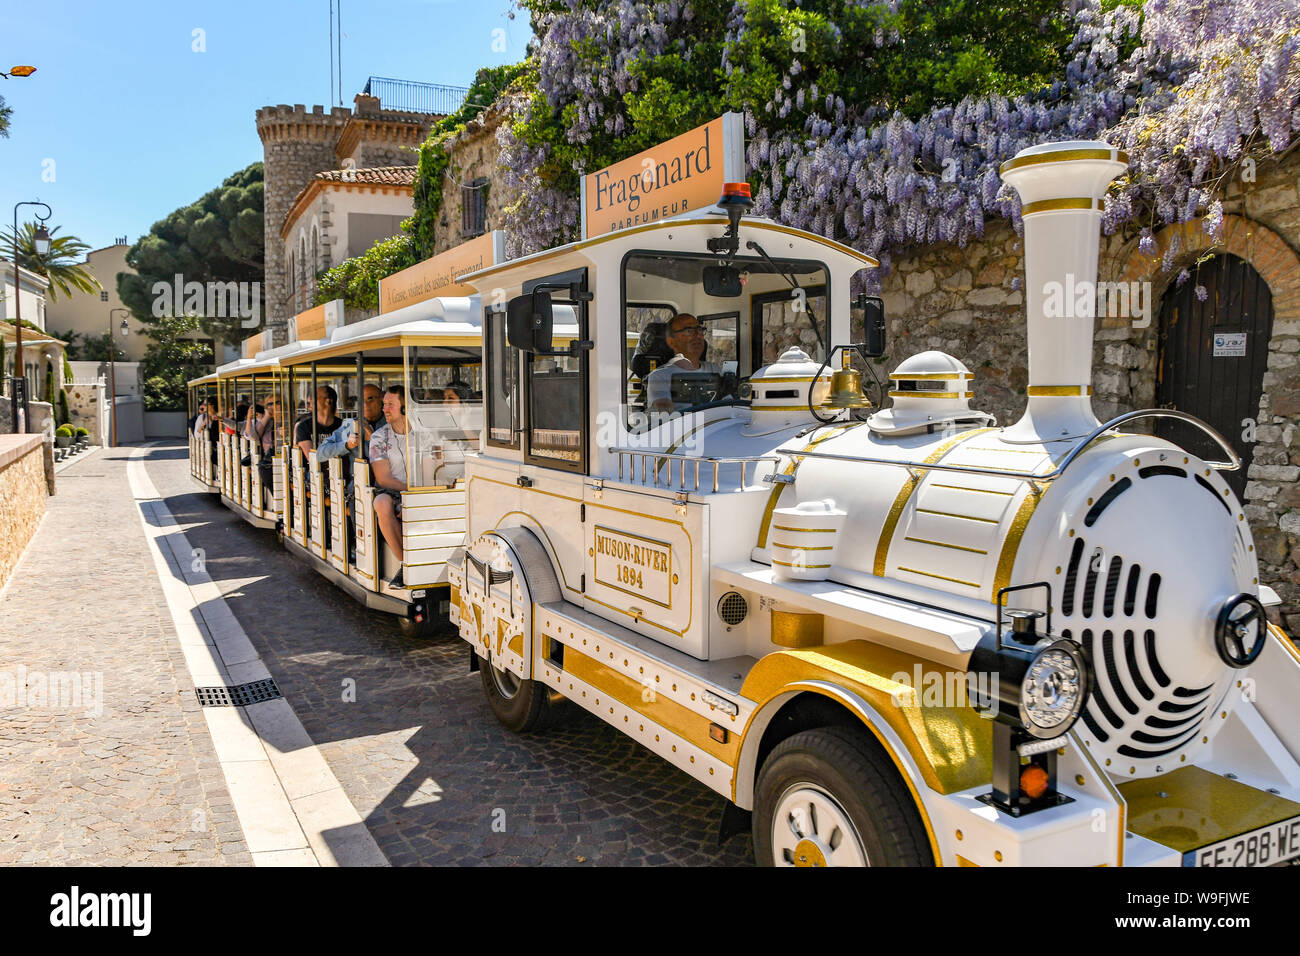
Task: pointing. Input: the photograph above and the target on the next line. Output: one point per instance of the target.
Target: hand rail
(661, 457)
(1232, 463)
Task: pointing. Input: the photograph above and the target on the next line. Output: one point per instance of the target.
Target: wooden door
(1202, 370)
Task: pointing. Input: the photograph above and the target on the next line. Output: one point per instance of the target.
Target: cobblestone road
(419, 753)
(132, 779)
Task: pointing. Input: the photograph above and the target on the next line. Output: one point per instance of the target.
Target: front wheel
(521, 705)
(831, 797)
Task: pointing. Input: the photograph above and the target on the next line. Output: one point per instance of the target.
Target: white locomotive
(791, 606)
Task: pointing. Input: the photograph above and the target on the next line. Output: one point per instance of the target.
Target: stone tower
(296, 145)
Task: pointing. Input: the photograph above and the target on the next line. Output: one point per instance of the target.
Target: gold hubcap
(808, 853)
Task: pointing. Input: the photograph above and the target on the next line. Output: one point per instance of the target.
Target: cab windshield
(692, 338)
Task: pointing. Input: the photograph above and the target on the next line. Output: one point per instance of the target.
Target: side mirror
(873, 323)
(529, 319)
(722, 281)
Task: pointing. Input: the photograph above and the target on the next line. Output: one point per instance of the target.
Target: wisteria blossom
(1209, 85)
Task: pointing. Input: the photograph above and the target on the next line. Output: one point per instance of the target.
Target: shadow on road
(406, 729)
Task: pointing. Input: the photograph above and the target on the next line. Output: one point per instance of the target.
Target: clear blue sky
(137, 124)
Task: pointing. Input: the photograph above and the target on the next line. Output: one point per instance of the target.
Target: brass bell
(846, 387)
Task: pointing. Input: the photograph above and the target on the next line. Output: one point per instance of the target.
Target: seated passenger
(327, 401)
(455, 397)
(388, 462)
(686, 338)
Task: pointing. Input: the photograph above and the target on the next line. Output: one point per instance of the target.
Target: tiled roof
(375, 176)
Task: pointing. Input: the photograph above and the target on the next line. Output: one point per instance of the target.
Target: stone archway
(1273, 486)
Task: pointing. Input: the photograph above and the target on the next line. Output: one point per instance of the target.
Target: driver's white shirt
(659, 384)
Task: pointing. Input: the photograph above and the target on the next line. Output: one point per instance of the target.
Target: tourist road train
(886, 633)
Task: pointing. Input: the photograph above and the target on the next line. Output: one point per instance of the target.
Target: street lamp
(112, 369)
(42, 240)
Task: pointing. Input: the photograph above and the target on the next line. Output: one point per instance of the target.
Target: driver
(685, 337)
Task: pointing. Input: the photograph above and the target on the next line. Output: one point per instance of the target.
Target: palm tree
(59, 265)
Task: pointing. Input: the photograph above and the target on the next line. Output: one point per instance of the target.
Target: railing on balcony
(415, 97)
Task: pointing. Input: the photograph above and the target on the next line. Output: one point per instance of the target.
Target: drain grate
(241, 695)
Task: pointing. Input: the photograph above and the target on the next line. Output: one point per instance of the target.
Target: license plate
(1267, 846)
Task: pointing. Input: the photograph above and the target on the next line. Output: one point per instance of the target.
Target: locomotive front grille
(1132, 627)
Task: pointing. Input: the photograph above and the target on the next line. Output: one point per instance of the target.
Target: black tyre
(521, 705)
(832, 797)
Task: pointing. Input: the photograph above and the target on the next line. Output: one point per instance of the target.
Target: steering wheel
(732, 385)
(1233, 628)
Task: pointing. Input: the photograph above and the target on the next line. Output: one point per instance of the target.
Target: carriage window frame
(583, 312)
(492, 314)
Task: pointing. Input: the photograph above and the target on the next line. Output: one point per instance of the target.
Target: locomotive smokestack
(1060, 187)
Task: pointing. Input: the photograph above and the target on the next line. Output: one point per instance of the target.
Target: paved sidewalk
(122, 771)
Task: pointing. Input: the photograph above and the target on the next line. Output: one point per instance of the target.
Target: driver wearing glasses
(685, 336)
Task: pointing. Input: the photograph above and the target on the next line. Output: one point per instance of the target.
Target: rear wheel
(521, 705)
(831, 797)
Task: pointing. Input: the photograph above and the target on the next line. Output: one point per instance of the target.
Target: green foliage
(49, 381)
(356, 280)
(6, 112)
(70, 348)
(170, 361)
(62, 413)
(81, 431)
(64, 431)
(94, 348)
(218, 238)
(59, 265)
(67, 369)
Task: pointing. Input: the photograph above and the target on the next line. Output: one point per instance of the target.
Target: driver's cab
(726, 331)
(619, 341)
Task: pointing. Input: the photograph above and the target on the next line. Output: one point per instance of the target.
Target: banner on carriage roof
(258, 342)
(439, 275)
(684, 174)
(316, 323)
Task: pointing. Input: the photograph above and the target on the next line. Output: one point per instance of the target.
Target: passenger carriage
(885, 635)
(251, 480)
(423, 347)
(202, 468)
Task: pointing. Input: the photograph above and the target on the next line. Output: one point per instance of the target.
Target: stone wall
(87, 409)
(22, 496)
(473, 156)
(970, 303)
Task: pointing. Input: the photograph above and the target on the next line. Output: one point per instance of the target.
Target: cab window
(717, 333)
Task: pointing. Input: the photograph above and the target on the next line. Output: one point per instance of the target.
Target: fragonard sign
(684, 174)
(438, 275)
